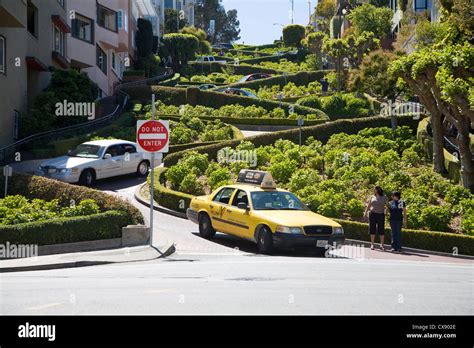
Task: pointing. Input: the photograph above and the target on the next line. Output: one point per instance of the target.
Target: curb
(76, 264)
(429, 252)
(156, 206)
(183, 216)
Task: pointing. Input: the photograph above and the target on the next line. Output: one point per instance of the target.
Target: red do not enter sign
(153, 136)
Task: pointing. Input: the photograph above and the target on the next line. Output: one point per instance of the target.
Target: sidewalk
(92, 258)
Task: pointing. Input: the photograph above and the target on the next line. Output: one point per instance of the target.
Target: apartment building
(33, 37)
(99, 40)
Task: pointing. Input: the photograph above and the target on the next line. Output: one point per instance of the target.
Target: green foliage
(219, 177)
(372, 76)
(144, 38)
(68, 85)
(201, 35)
(181, 48)
(368, 18)
(171, 21)
(339, 105)
(293, 34)
(190, 184)
(105, 225)
(35, 187)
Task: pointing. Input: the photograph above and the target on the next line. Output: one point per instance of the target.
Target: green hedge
(48, 189)
(106, 225)
(198, 68)
(253, 121)
(194, 96)
(427, 240)
(320, 132)
(269, 58)
(301, 78)
(168, 198)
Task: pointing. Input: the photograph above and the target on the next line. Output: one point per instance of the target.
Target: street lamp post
(342, 13)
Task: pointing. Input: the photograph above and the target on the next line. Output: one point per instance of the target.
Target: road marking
(48, 305)
(158, 291)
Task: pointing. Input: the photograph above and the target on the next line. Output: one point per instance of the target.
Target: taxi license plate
(321, 243)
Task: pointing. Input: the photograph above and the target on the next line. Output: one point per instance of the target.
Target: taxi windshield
(276, 200)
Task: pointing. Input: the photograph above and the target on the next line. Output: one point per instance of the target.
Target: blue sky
(257, 17)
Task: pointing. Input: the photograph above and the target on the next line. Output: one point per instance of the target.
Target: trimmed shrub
(320, 132)
(48, 189)
(105, 225)
(194, 96)
(301, 78)
(167, 198)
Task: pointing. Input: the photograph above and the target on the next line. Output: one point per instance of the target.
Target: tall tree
(226, 23)
(367, 17)
(324, 11)
(204, 45)
(442, 75)
(293, 34)
(171, 21)
(180, 48)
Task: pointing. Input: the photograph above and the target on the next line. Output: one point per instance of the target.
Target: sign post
(7, 171)
(153, 137)
(300, 124)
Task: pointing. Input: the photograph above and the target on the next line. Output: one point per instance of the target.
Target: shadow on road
(250, 247)
(119, 182)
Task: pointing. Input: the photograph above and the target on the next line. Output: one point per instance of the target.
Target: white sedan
(99, 159)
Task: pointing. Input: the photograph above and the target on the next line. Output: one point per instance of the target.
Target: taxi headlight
(39, 169)
(338, 230)
(63, 171)
(290, 230)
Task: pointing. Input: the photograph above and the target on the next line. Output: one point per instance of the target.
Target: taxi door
(217, 208)
(236, 219)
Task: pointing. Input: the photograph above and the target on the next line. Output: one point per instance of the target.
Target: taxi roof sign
(257, 177)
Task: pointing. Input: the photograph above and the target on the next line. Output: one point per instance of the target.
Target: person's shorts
(377, 224)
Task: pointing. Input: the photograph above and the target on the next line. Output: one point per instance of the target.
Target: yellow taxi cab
(254, 209)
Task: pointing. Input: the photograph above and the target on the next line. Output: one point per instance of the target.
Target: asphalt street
(225, 276)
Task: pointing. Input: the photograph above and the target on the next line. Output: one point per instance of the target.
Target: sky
(257, 17)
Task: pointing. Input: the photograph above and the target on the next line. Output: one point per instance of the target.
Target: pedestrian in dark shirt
(398, 217)
(376, 212)
(324, 86)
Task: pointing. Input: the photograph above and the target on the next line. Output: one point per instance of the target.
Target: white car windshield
(276, 200)
(87, 151)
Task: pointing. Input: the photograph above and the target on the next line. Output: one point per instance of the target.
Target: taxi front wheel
(265, 241)
(205, 227)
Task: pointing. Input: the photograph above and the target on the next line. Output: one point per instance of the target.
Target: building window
(120, 19)
(83, 28)
(32, 19)
(58, 41)
(421, 5)
(107, 18)
(169, 4)
(3, 58)
(101, 60)
(114, 57)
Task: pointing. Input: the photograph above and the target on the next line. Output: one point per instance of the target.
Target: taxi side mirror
(242, 205)
(107, 156)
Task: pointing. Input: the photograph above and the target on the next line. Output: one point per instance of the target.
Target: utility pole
(309, 11)
(292, 11)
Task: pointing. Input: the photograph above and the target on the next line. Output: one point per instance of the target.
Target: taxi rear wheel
(265, 241)
(205, 227)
